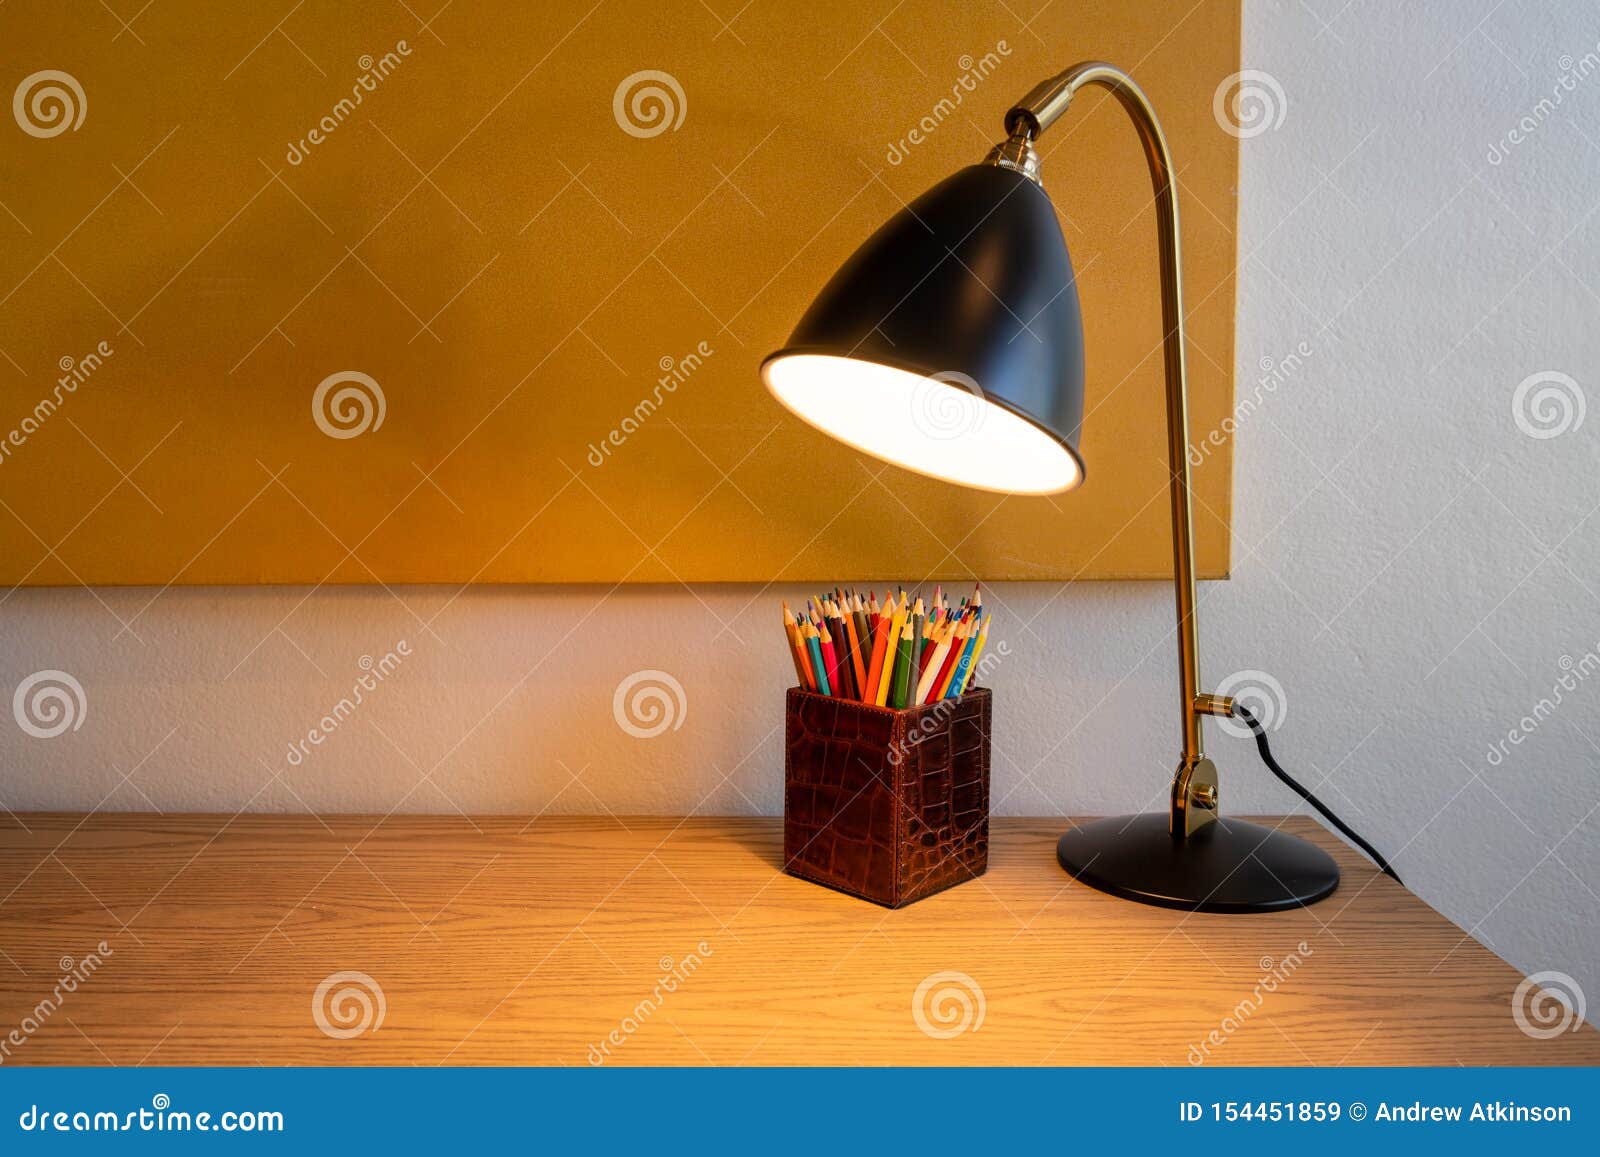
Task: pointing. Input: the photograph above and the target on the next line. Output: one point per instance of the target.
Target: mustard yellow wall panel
(427, 292)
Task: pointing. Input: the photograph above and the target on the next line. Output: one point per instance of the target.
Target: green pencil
(919, 628)
(899, 690)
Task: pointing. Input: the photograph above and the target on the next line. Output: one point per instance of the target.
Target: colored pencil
(936, 633)
(977, 653)
(858, 669)
(897, 622)
(818, 663)
(863, 639)
(830, 652)
(841, 641)
(896, 650)
(880, 646)
(958, 677)
(919, 627)
(958, 644)
(797, 650)
(933, 664)
(830, 660)
(902, 671)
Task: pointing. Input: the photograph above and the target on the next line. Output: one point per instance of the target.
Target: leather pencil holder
(891, 806)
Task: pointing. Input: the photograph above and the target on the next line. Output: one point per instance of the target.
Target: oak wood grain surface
(504, 941)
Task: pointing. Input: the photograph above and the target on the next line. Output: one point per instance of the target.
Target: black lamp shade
(962, 307)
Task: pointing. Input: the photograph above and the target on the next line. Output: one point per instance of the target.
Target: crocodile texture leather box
(887, 805)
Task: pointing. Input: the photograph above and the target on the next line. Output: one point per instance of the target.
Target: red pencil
(958, 644)
(830, 659)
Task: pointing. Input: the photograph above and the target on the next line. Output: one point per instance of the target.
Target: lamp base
(1227, 866)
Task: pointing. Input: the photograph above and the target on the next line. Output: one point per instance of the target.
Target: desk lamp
(969, 292)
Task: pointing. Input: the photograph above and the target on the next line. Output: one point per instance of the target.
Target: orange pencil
(797, 649)
(880, 647)
(858, 667)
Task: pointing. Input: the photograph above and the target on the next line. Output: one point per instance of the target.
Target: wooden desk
(500, 941)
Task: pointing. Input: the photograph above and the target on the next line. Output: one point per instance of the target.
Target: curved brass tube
(1194, 796)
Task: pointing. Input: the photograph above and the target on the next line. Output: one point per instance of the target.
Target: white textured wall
(1415, 570)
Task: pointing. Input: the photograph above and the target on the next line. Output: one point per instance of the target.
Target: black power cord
(1243, 712)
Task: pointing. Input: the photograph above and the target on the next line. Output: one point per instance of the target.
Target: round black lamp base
(1228, 866)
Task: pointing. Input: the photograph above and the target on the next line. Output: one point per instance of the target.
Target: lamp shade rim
(910, 367)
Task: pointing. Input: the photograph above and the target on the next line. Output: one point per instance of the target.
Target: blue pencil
(959, 677)
(814, 645)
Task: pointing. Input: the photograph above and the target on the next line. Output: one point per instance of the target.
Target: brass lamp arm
(1194, 789)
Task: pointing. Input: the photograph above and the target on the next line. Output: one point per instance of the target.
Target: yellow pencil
(897, 625)
(977, 653)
